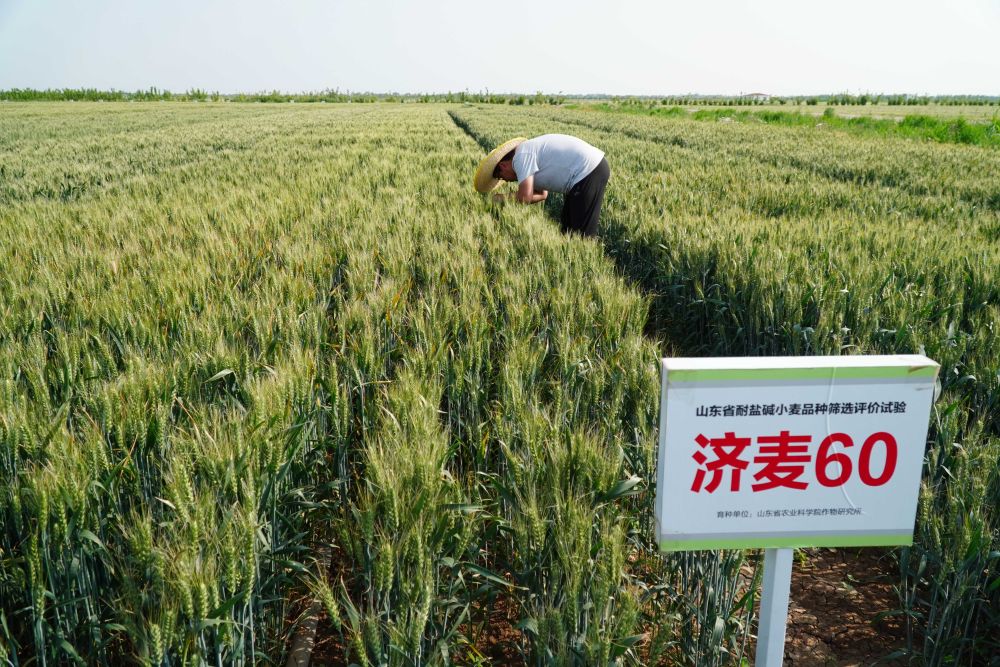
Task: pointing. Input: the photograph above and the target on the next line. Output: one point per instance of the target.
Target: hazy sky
(570, 46)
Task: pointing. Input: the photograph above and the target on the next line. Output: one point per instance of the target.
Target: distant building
(757, 97)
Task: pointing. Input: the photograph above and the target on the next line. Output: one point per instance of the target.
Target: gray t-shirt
(557, 161)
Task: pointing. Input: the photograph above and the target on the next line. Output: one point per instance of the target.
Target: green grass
(956, 130)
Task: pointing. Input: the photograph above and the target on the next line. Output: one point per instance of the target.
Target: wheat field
(256, 355)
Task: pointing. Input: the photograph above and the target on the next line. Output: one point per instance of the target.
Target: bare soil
(835, 596)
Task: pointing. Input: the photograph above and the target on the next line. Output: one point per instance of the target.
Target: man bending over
(556, 162)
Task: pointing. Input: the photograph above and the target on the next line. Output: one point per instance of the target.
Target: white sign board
(776, 452)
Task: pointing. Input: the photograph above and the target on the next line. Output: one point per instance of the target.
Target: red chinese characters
(782, 461)
(727, 451)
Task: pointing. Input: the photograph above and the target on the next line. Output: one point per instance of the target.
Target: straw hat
(484, 180)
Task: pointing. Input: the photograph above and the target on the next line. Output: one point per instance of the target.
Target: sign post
(774, 606)
(785, 452)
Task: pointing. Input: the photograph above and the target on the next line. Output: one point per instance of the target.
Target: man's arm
(526, 193)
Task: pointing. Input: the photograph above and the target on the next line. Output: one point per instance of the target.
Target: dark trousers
(582, 204)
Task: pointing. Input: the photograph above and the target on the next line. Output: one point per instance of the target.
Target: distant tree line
(484, 97)
(842, 99)
(198, 95)
(96, 95)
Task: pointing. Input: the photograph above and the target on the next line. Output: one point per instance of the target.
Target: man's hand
(532, 197)
(526, 193)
